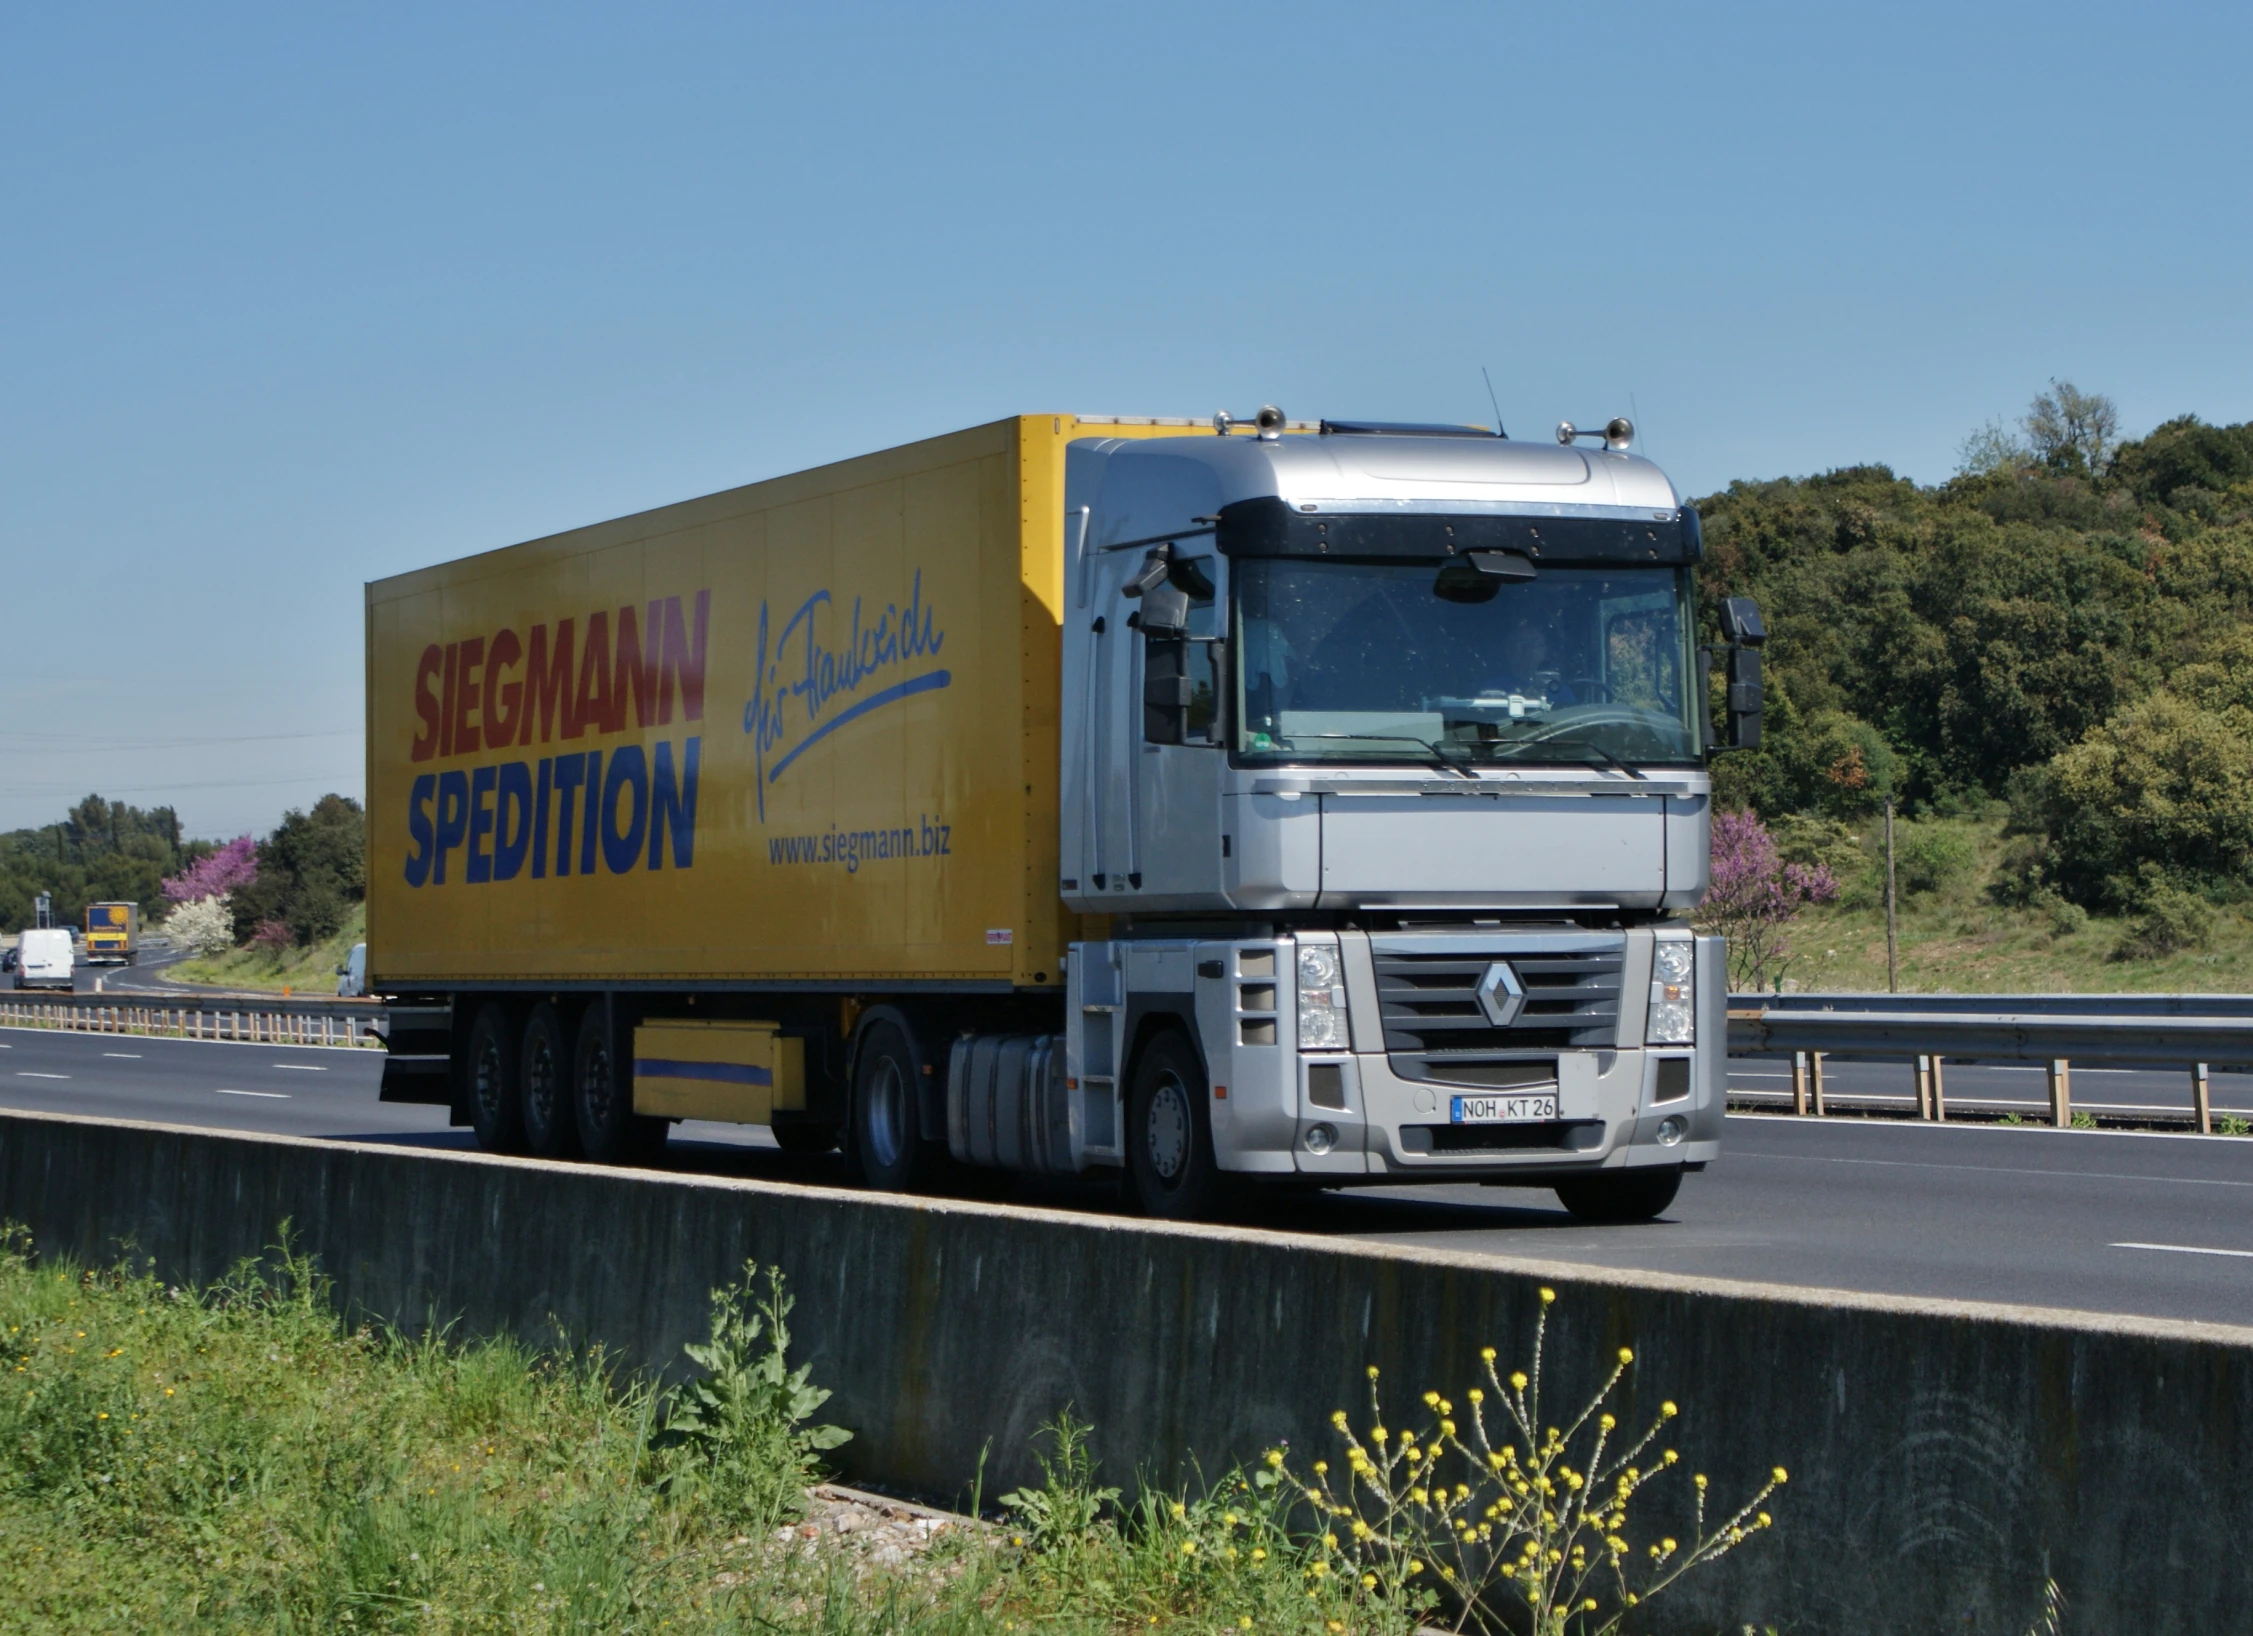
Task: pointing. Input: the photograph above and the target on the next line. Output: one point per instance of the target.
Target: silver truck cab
(1383, 748)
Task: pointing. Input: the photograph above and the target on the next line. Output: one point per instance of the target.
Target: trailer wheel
(543, 1071)
(495, 1112)
(1620, 1195)
(1170, 1168)
(887, 1140)
(602, 1099)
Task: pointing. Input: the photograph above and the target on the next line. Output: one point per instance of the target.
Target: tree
(1992, 449)
(1755, 896)
(311, 871)
(215, 874)
(2072, 430)
(202, 925)
(100, 852)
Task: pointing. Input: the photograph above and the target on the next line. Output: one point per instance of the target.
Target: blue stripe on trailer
(724, 1073)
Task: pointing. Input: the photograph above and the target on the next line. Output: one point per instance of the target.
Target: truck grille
(1435, 1028)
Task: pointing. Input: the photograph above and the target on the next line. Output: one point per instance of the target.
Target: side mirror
(1746, 635)
(1166, 584)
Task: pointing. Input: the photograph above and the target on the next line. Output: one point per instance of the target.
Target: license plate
(1501, 1110)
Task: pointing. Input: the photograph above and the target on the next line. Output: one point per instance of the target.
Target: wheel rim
(1166, 1130)
(539, 1083)
(488, 1073)
(597, 1084)
(886, 1114)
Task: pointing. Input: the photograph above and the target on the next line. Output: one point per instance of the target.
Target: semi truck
(113, 934)
(1204, 804)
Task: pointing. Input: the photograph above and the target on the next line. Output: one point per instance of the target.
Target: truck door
(1181, 730)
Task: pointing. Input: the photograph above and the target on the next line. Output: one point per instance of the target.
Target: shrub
(203, 926)
(1935, 858)
(1755, 895)
(741, 1429)
(2065, 916)
(2165, 783)
(1499, 1501)
(1819, 843)
(2173, 921)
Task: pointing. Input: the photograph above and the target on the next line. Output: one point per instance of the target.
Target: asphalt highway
(2150, 1224)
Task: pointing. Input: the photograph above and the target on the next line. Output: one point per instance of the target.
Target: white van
(352, 976)
(44, 958)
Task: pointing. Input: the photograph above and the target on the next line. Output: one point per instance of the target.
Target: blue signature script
(818, 676)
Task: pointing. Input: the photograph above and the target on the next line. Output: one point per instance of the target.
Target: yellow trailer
(792, 739)
(803, 730)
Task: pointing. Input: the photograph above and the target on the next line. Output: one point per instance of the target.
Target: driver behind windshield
(1357, 659)
(1398, 646)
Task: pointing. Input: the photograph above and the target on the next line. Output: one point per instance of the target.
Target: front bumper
(1358, 1114)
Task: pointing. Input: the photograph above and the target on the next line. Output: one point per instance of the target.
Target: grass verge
(309, 972)
(1955, 937)
(236, 1458)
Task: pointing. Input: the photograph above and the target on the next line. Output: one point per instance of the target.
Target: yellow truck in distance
(1044, 796)
(113, 934)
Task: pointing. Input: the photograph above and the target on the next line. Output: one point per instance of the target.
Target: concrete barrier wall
(1942, 1453)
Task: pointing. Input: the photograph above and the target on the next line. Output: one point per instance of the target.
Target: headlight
(1322, 1001)
(1673, 1011)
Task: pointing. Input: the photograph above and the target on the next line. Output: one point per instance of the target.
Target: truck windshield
(1394, 661)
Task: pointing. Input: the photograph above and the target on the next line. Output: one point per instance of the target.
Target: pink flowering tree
(216, 874)
(1755, 896)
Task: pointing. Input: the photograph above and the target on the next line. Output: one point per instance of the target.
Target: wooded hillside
(2067, 627)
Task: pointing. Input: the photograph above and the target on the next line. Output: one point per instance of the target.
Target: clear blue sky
(296, 297)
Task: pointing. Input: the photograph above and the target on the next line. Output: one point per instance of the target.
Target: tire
(602, 1099)
(1620, 1195)
(886, 1134)
(543, 1074)
(1170, 1172)
(802, 1141)
(496, 1112)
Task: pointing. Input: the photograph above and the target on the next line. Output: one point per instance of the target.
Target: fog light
(1671, 1131)
(1320, 1139)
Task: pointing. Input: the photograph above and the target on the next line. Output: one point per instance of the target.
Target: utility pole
(1892, 938)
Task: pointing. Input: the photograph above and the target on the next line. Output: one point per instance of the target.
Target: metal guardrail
(250, 1020)
(2148, 1037)
(2015, 1005)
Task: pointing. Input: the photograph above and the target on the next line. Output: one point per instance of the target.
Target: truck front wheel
(494, 1112)
(1620, 1195)
(1170, 1168)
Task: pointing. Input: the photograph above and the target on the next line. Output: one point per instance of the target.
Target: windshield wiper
(1587, 744)
(1440, 757)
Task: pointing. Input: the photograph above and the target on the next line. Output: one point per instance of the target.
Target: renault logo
(1501, 995)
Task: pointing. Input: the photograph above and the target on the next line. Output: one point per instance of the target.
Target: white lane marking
(2185, 1249)
(1993, 1170)
(124, 1056)
(278, 1096)
(27, 1073)
(299, 1067)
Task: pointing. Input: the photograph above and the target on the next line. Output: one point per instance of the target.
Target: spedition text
(632, 808)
